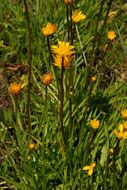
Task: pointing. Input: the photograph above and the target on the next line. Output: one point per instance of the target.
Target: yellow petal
(90, 172)
(86, 167)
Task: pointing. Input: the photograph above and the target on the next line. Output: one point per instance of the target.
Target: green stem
(49, 49)
(80, 42)
(71, 26)
(101, 33)
(61, 108)
(29, 63)
(68, 28)
(116, 150)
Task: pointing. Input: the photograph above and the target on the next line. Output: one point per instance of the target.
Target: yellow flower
(68, 1)
(121, 132)
(124, 114)
(63, 49)
(47, 78)
(93, 78)
(32, 146)
(15, 88)
(28, 158)
(111, 35)
(111, 150)
(90, 168)
(125, 125)
(94, 123)
(66, 61)
(77, 16)
(49, 29)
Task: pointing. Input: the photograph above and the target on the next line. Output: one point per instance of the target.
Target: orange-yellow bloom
(47, 78)
(63, 49)
(94, 123)
(32, 146)
(63, 62)
(93, 78)
(77, 16)
(49, 29)
(15, 88)
(121, 132)
(111, 35)
(124, 114)
(90, 168)
(68, 1)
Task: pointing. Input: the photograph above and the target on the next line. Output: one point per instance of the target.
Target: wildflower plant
(66, 126)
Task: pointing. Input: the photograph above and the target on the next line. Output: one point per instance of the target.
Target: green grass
(57, 161)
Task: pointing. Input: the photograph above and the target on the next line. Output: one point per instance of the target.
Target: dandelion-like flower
(65, 63)
(47, 78)
(32, 146)
(93, 78)
(68, 1)
(94, 123)
(90, 168)
(15, 88)
(124, 114)
(77, 16)
(121, 132)
(111, 35)
(63, 49)
(49, 29)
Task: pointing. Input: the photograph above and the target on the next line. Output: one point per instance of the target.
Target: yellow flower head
(47, 78)
(32, 146)
(93, 78)
(49, 29)
(111, 35)
(125, 125)
(68, 1)
(121, 132)
(65, 62)
(28, 158)
(94, 123)
(15, 88)
(77, 16)
(90, 168)
(124, 114)
(63, 49)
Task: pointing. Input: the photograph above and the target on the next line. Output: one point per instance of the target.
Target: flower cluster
(90, 168)
(63, 54)
(121, 132)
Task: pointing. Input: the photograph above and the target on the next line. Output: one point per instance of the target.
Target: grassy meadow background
(70, 133)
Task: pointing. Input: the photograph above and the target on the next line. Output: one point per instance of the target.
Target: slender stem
(29, 62)
(71, 26)
(116, 150)
(68, 28)
(101, 33)
(71, 75)
(96, 30)
(80, 42)
(49, 49)
(61, 107)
